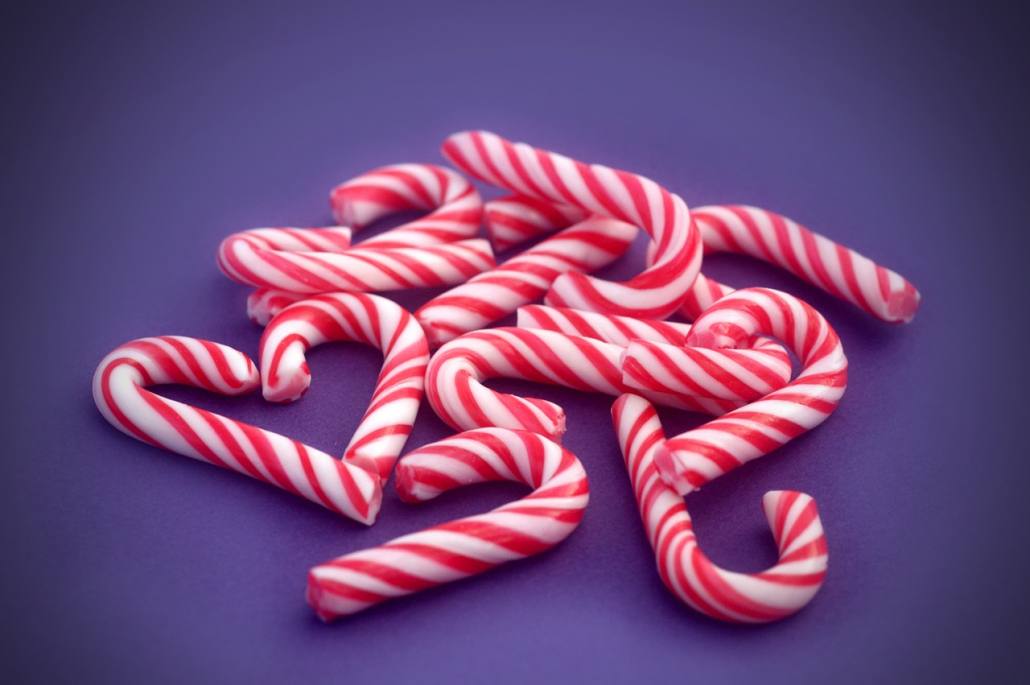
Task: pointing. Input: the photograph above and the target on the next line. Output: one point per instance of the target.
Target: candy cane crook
(357, 317)
(655, 293)
(454, 206)
(454, 379)
(469, 546)
(514, 219)
(690, 460)
(119, 392)
(686, 571)
(492, 295)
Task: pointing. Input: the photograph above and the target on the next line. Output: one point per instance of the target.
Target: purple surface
(142, 137)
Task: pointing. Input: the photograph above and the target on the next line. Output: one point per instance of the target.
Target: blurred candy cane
(492, 295)
(360, 270)
(690, 460)
(469, 546)
(357, 317)
(454, 206)
(686, 571)
(655, 293)
(514, 219)
(119, 392)
(455, 390)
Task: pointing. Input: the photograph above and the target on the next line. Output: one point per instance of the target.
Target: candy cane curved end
(355, 317)
(459, 549)
(685, 570)
(656, 292)
(698, 456)
(454, 206)
(119, 390)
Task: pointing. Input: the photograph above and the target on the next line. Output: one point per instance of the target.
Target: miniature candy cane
(120, 395)
(813, 258)
(494, 294)
(514, 219)
(686, 571)
(356, 269)
(455, 204)
(358, 317)
(263, 304)
(690, 460)
(619, 330)
(655, 293)
(456, 373)
(729, 375)
(469, 546)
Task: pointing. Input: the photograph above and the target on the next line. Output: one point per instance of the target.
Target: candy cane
(357, 317)
(456, 209)
(655, 293)
(469, 546)
(514, 219)
(813, 258)
(690, 460)
(120, 395)
(494, 294)
(686, 571)
(356, 269)
(619, 330)
(456, 373)
(263, 304)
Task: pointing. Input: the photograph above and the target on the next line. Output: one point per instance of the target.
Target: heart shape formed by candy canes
(688, 573)
(355, 317)
(454, 206)
(468, 546)
(119, 390)
(696, 457)
(660, 289)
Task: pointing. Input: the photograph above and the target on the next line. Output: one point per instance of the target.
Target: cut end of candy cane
(902, 305)
(674, 476)
(289, 385)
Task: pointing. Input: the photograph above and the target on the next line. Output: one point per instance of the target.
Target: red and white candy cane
(655, 293)
(813, 258)
(357, 269)
(619, 330)
(455, 209)
(494, 294)
(686, 571)
(469, 546)
(696, 457)
(357, 317)
(514, 219)
(454, 380)
(119, 390)
(729, 375)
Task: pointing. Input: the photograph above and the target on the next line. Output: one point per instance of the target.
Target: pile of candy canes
(732, 363)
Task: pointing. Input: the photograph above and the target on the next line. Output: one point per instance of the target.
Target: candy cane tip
(669, 470)
(902, 305)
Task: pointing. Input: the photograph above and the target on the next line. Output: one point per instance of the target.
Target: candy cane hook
(656, 292)
(687, 572)
(356, 317)
(690, 460)
(454, 206)
(469, 546)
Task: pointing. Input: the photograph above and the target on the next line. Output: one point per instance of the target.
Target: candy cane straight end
(902, 305)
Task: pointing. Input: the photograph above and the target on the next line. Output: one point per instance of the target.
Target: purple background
(138, 138)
